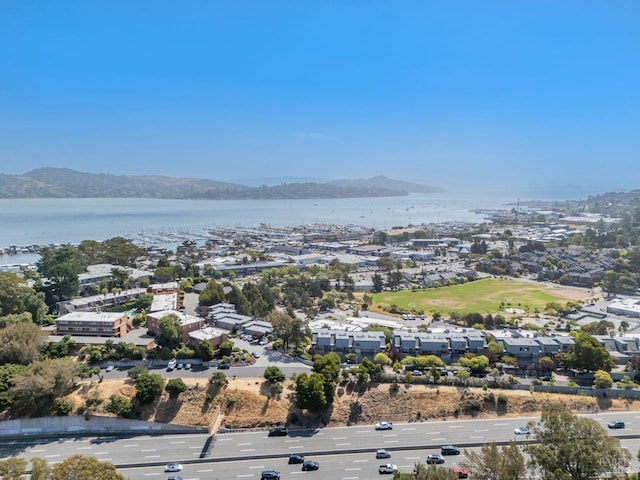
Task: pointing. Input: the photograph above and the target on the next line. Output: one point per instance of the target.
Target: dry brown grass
(244, 404)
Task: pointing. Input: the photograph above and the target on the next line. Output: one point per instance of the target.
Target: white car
(384, 426)
(173, 467)
(255, 354)
(109, 368)
(522, 431)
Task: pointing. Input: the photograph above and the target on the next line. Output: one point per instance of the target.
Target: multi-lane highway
(346, 453)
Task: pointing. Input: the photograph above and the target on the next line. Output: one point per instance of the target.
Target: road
(346, 453)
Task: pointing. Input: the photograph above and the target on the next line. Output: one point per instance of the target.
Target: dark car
(383, 453)
(223, 366)
(434, 459)
(449, 450)
(616, 424)
(279, 432)
(309, 465)
(296, 458)
(270, 475)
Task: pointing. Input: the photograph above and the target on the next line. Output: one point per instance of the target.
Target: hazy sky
(441, 92)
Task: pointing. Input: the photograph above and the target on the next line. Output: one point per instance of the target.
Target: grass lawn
(481, 296)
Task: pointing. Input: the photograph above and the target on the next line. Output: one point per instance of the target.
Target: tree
(60, 268)
(170, 331)
(36, 389)
(148, 387)
(381, 359)
(587, 354)
(21, 343)
(205, 350)
(602, 379)
(13, 468)
(134, 372)
(40, 469)
(310, 391)
(273, 374)
(496, 463)
(78, 467)
(574, 448)
(17, 297)
(546, 364)
(477, 364)
(378, 283)
(282, 325)
(226, 348)
(212, 294)
(175, 387)
(219, 379)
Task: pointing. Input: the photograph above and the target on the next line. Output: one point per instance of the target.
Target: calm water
(44, 221)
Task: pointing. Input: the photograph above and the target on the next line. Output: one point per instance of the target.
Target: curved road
(346, 453)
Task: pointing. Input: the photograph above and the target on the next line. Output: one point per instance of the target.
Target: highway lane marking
(220, 440)
(105, 459)
(152, 456)
(131, 445)
(204, 471)
(248, 450)
(175, 443)
(500, 424)
(296, 446)
(84, 448)
(412, 458)
(363, 431)
(42, 450)
(405, 466)
(291, 441)
(391, 441)
(352, 469)
(51, 456)
(150, 450)
(244, 444)
(259, 466)
(151, 474)
(360, 461)
(243, 476)
(350, 478)
(477, 437)
(433, 433)
(342, 444)
(193, 448)
(456, 426)
(101, 453)
(481, 431)
(339, 438)
(437, 439)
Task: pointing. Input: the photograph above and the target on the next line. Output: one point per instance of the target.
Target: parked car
(434, 459)
(294, 458)
(383, 453)
(264, 341)
(171, 365)
(223, 366)
(384, 426)
(270, 475)
(616, 424)
(255, 354)
(449, 450)
(109, 368)
(310, 465)
(180, 366)
(461, 472)
(279, 432)
(388, 468)
(173, 467)
(187, 366)
(522, 431)
(416, 373)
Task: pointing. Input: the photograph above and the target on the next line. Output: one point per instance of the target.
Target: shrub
(175, 386)
(503, 399)
(63, 407)
(149, 387)
(120, 406)
(273, 374)
(134, 372)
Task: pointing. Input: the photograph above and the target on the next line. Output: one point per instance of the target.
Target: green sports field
(481, 296)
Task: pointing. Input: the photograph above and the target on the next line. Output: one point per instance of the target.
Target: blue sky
(450, 93)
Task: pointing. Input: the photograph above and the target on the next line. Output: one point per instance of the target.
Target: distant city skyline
(465, 94)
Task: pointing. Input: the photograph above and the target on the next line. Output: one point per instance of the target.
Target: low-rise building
(99, 324)
(188, 323)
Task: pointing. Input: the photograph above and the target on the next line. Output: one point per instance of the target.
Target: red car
(462, 473)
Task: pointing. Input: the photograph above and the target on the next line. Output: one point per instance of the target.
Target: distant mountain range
(66, 183)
